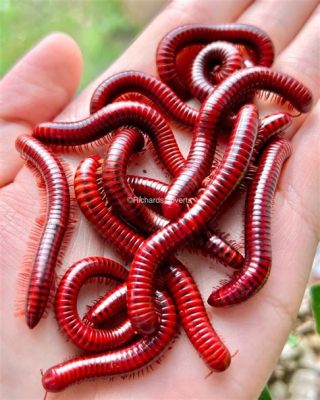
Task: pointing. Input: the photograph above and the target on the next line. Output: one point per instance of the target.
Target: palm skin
(37, 89)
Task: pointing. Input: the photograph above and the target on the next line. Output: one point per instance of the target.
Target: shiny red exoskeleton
(257, 265)
(81, 334)
(51, 225)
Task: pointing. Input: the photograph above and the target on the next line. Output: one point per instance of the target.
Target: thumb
(35, 90)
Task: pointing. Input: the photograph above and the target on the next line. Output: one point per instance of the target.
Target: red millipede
(257, 266)
(194, 318)
(91, 203)
(202, 34)
(165, 241)
(112, 117)
(52, 227)
(121, 361)
(233, 89)
(82, 335)
(151, 88)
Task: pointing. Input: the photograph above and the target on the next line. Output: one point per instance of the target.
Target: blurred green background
(102, 28)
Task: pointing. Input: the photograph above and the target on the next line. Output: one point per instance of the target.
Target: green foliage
(100, 28)
(265, 394)
(315, 304)
(293, 340)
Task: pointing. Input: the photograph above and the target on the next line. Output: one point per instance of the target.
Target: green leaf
(315, 304)
(265, 394)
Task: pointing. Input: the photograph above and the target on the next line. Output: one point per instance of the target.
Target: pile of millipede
(223, 67)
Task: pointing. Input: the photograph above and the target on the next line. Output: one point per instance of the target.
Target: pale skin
(38, 89)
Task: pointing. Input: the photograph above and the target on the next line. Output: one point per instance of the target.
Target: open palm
(37, 89)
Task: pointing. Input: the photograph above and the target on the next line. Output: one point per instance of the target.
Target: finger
(301, 58)
(297, 214)
(141, 54)
(35, 90)
(300, 187)
(282, 20)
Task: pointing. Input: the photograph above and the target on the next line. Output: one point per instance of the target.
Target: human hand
(37, 89)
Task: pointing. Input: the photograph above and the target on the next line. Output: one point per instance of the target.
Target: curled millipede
(221, 54)
(127, 359)
(54, 220)
(160, 95)
(191, 34)
(82, 335)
